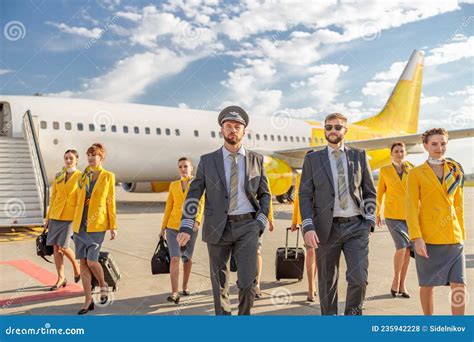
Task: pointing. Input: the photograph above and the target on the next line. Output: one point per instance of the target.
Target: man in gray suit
(337, 205)
(237, 202)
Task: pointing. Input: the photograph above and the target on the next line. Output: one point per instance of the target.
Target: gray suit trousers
(353, 239)
(239, 239)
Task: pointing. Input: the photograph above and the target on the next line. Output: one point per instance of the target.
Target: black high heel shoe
(77, 278)
(394, 293)
(174, 298)
(404, 294)
(57, 286)
(89, 308)
(104, 298)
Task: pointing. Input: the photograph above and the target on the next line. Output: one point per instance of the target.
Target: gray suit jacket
(317, 193)
(210, 178)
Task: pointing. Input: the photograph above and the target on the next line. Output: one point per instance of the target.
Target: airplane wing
(374, 144)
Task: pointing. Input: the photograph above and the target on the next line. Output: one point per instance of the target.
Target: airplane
(144, 142)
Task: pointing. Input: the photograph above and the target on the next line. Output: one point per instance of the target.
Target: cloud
(380, 89)
(426, 100)
(4, 71)
(451, 52)
(77, 31)
(130, 77)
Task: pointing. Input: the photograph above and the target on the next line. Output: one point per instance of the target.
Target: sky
(302, 57)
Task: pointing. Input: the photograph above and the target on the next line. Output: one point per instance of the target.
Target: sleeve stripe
(262, 218)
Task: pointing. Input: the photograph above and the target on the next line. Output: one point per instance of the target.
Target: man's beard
(334, 139)
(232, 141)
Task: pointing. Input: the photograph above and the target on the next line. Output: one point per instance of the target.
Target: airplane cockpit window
(67, 125)
(43, 124)
(55, 125)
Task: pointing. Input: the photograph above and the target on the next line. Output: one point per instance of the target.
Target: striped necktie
(341, 180)
(234, 180)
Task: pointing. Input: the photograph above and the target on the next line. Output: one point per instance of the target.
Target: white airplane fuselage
(142, 156)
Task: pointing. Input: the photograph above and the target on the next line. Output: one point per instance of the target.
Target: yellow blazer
(296, 217)
(174, 206)
(62, 203)
(431, 213)
(102, 213)
(394, 190)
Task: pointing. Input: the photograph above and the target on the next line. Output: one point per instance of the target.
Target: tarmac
(25, 278)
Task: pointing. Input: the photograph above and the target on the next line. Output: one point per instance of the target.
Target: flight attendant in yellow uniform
(59, 217)
(170, 227)
(435, 217)
(95, 214)
(311, 268)
(391, 191)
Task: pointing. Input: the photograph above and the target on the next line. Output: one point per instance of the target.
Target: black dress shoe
(394, 293)
(84, 311)
(57, 286)
(186, 293)
(404, 294)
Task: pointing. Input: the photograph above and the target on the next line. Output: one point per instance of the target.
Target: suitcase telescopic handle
(297, 241)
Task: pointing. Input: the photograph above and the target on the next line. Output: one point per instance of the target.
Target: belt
(241, 217)
(347, 219)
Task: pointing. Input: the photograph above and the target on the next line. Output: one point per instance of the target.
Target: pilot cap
(233, 113)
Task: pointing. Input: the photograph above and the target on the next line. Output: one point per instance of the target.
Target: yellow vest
(431, 213)
(101, 215)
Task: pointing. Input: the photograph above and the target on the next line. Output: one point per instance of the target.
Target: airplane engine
(279, 174)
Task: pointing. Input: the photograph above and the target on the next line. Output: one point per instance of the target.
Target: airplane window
(125, 129)
(322, 141)
(91, 127)
(177, 132)
(136, 130)
(113, 128)
(213, 134)
(167, 131)
(272, 137)
(279, 137)
(220, 134)
(196, 133)
(67, 125)
(257, 136)
(285, 138)
(147, 130)
(102, 128)
(158, 131)
(55, 125)
(303, 139)
(80, 127)
(297, 139)
(265, 137)
(249, 136)
(43, 124)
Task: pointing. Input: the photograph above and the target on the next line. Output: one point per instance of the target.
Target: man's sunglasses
(330, 127)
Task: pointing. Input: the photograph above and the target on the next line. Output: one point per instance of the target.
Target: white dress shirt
(352, 208)
(243, 204)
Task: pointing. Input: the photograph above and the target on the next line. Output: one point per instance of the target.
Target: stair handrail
(38, 163)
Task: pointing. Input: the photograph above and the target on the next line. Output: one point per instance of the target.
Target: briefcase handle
(297, 240)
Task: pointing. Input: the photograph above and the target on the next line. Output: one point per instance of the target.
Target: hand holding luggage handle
(286, 242)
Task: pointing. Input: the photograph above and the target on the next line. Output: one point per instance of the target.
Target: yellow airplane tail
(400, 113)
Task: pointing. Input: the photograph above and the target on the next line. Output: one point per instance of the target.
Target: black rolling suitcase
(289, 262)
(111, 271)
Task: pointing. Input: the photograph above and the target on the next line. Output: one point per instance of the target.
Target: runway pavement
(25, 278)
